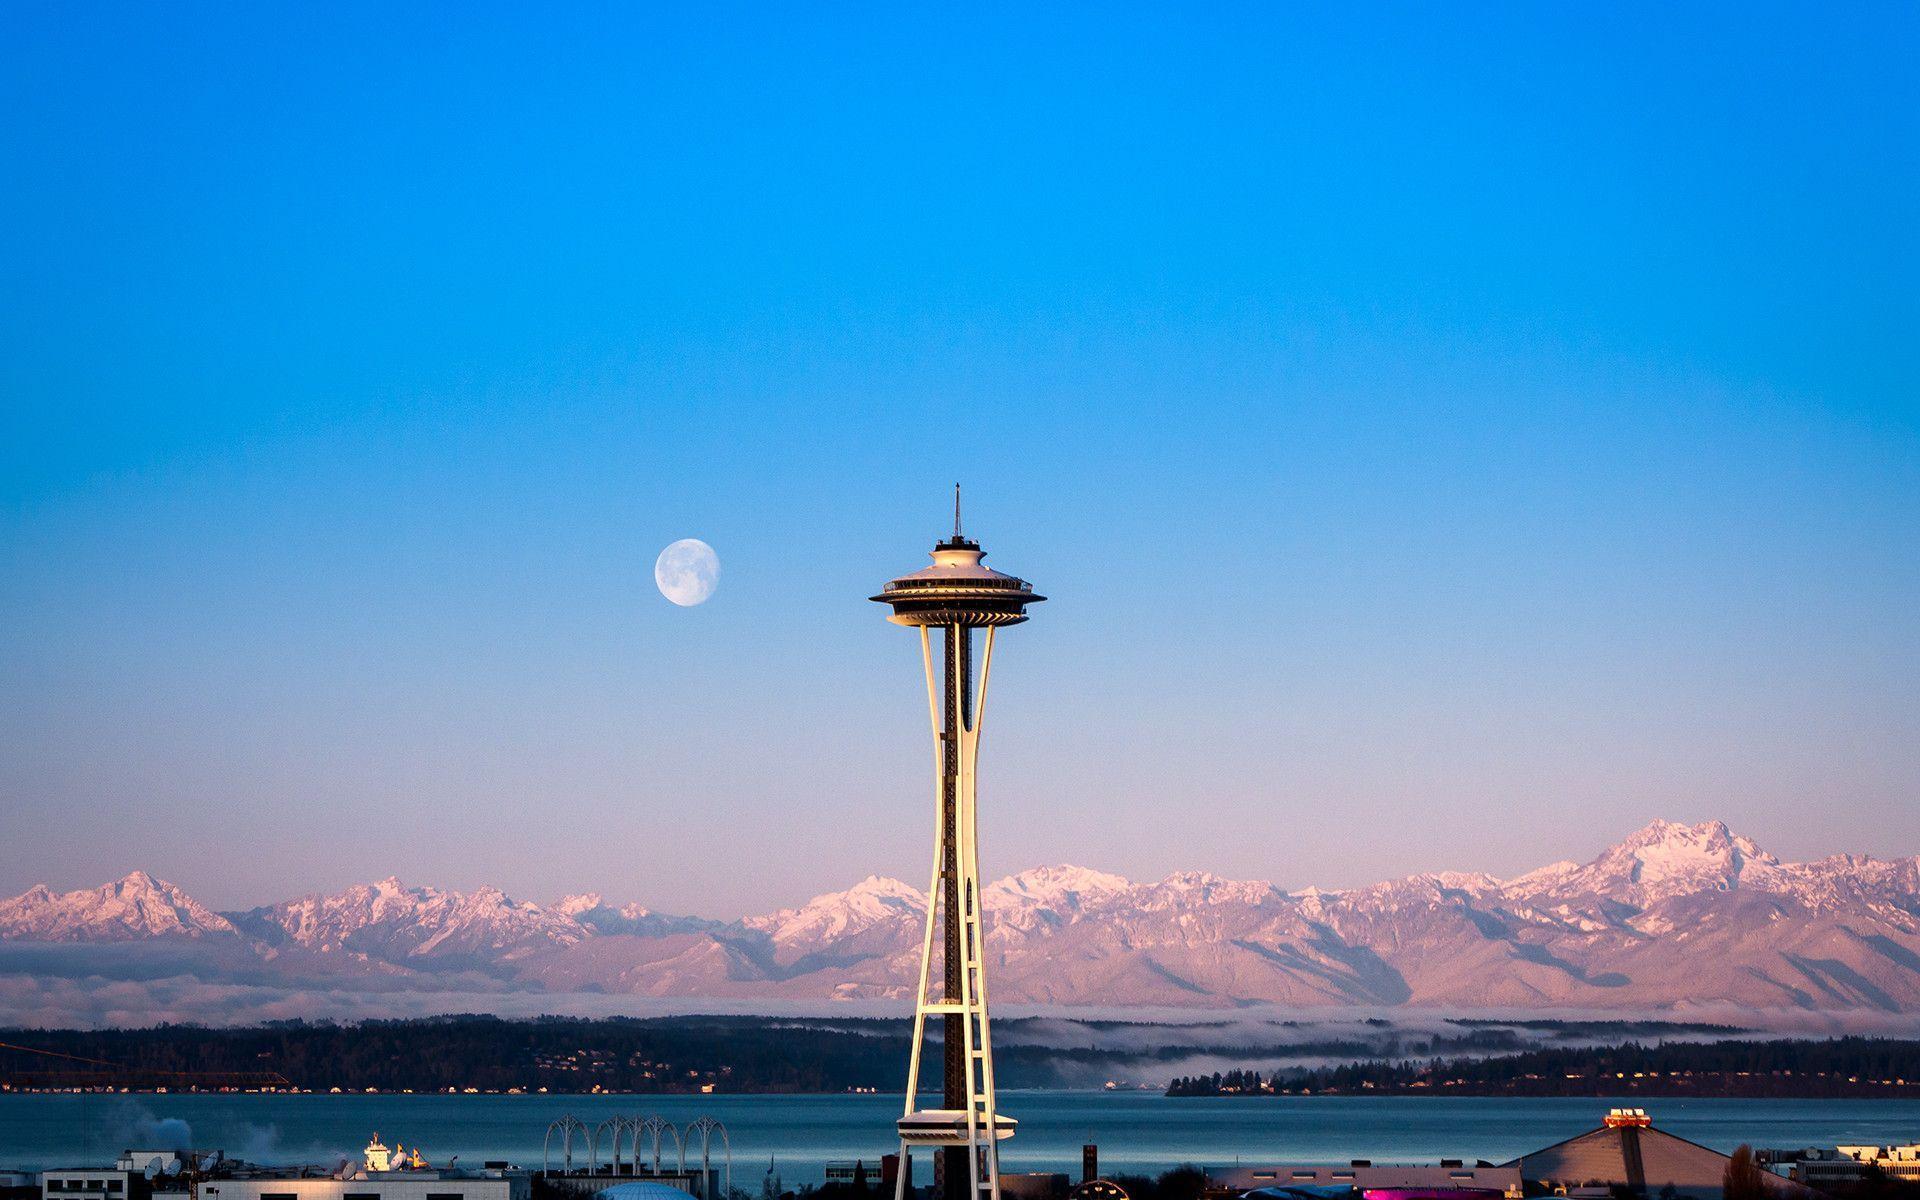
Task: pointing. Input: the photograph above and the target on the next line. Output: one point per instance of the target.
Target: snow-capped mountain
(1657, 863)
(393, 922)
(1673, 916)
(593, 912)
(1048, 895)
(130, 909)
(873, 902)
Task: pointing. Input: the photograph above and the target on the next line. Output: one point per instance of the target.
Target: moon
(687, 572)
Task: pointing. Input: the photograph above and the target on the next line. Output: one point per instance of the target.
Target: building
(385, 1174)
(389, 1185)
(94, 1183)
(956, 595)
(1626, 1151)
(849, 1172)
(1362, 1175)
(1034, 1185)
(1852, 1164)
(605, 1181)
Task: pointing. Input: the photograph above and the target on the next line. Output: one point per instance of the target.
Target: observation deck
(958, 590)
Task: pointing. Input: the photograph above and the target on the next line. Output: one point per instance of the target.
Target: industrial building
(1450, 1175)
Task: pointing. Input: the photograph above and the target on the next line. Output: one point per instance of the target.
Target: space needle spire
(956, 595)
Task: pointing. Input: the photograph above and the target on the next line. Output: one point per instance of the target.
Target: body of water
(1136, 1131)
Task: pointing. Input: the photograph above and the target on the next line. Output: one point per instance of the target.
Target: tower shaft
(966, 1130)
(957, 693)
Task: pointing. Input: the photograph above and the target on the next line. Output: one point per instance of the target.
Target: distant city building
(1450, 1175)
(849, 1171)
(1853, 1164)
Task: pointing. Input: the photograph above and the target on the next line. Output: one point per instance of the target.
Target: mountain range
(1673, 917)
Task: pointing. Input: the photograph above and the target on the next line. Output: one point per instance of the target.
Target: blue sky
(1451, 437)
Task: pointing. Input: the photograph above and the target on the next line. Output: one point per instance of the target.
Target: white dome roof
(642, 1189)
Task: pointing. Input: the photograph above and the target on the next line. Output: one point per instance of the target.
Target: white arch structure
(612, 1128)
(707, 1127)
(656, 1125)
(568, 1127)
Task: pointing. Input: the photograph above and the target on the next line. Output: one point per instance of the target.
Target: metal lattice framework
(610, 1130)
(569, 1128)
(706, 1127)
(651, 1128)
(654, 1126)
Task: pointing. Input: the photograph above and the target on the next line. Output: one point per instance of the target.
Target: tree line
(1836, 1067)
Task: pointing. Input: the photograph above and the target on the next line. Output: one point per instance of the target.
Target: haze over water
(1136, 1131)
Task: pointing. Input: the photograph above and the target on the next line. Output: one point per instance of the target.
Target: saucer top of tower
(957, 589)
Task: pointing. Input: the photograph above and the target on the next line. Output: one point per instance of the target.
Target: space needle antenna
(956, 512)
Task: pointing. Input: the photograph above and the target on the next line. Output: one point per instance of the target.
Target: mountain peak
(879, 885)
(1052, 883)
(875, 900)
(1704, 839)
(1660, 831)
(1660, 860)
(131, 908)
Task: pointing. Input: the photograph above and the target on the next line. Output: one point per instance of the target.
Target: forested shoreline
(1875, 1068)
(692, 1054)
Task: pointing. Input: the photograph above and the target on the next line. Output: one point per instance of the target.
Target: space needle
(956, 595)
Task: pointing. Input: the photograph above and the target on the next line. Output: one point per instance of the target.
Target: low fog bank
(32, 1000)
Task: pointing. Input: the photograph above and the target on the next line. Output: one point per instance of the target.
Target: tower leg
(967, 1167)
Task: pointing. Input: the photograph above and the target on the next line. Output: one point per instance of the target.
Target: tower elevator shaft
(953, 1173)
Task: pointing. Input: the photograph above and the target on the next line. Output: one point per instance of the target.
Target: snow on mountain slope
(1672, 916)
(136, 907)
(874, 901)
(393, 922)
(1662, 860)
(597, 916)
(1049, 896)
